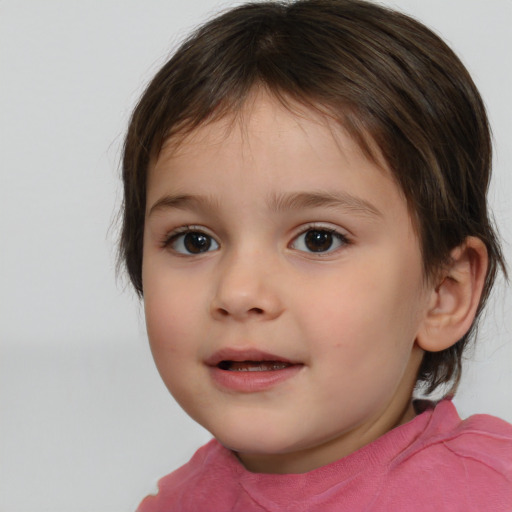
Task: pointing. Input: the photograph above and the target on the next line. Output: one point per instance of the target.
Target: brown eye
(319, 241)
(193, 242)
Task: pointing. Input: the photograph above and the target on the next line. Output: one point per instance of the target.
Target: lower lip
(252, 382)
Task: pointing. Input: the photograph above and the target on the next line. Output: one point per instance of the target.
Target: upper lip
(240, 355)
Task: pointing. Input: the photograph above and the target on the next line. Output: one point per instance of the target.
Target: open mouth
(253, 366)
(251, 370)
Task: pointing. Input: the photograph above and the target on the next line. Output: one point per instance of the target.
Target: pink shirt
(436, 463)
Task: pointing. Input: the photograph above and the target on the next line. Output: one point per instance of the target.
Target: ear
(454, 301)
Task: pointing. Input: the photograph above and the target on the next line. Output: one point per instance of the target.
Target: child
(305, 217)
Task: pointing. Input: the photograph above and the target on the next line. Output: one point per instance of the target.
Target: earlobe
(454, 301)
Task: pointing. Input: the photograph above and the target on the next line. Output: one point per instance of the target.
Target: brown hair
(390, 81)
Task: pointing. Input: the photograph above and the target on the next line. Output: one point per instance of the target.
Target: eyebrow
(337, 200)
(183, 202)
(277, 202)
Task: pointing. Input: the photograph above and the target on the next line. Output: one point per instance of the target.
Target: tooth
(251, 366)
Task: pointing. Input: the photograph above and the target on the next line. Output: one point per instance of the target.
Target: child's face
(283, 288)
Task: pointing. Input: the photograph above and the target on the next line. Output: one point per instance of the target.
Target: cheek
(170, 307)
(366, 316)
(170, 326)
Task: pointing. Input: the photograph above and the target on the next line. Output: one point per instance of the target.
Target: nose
(246, 289)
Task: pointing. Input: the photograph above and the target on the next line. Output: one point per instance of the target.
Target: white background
(85, 423)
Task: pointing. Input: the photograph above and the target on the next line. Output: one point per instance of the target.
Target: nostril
(247, 313)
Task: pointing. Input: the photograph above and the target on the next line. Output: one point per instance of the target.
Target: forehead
(264, 113)
(285, 147)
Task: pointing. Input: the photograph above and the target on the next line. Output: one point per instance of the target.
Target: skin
(350, 315)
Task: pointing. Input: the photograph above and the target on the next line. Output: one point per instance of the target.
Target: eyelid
(322, 226)
(342, 235)
(172, 235)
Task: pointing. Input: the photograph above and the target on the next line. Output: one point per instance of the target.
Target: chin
(267, 445)
(255, 441)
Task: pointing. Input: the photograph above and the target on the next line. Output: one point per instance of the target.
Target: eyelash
(341, 238)
(175, 235)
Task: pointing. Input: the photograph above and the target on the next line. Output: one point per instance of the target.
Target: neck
(308, 459)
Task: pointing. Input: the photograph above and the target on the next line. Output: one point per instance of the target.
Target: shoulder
(481, 439)
(203, 475)
(465, 462)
